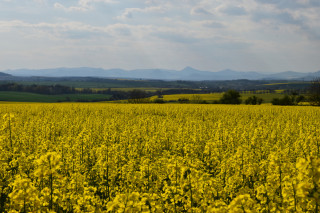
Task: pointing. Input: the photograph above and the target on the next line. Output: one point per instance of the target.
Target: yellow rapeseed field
(159, 158)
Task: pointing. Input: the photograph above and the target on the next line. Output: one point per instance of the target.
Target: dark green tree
(300, 98)
(183, 100)
(159, 101)
(159, 93)
(231, 97)
(138, 96)
(288, 100)
(254, 100)
(314, 92)
(285, 101)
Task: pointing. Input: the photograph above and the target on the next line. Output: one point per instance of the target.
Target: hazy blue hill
(312, 76)
(234, 75)
(2, 74)
(153, 74)
(67, 72)
(188, 73)
(289, 75)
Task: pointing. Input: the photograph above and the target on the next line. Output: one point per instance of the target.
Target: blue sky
(250, 35)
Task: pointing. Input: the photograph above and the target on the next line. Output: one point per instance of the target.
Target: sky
(212, 35)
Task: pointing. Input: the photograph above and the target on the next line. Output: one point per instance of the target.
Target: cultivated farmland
(159, 158)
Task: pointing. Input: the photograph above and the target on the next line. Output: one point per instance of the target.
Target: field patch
(32, 97)
(216, 96)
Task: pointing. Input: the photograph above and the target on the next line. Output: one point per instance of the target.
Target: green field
(79, 84)
(128, 89)
(216, 96)
(289, 83)
(32, 97)
(103, 83)
(209, 98)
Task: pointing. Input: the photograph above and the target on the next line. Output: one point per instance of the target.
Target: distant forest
(115, 94)
(192, 88)
(39, 89)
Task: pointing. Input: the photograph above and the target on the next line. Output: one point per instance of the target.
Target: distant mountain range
(188, 74)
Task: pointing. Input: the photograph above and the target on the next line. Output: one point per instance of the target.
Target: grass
(32, 97)
(216, 96)
(127, 89)
(77, 84)
(287, 83)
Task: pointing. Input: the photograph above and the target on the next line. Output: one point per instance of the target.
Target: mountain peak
(189, 69)
(2, 74)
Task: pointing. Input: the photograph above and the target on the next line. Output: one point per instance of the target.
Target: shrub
(314, 92)
(231, 97)
(288, 100)
(254, 100)
(285, 101)
(159, 101)
(183, 100)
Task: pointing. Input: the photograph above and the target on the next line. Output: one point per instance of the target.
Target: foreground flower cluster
(159, 158)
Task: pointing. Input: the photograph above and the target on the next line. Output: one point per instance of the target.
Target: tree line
(39, 89)
(291, 97)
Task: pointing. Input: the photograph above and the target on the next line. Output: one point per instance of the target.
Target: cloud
(120, 30)
(291, 4)
(213, 24)
(201, 28)
(276, 17)
(200, 11)
(300, 17)
(83, 5)
(79, 8)
(234, 10)
(128, 12)
(176, 37)
(72, 30)
(66, 30)
(39, 1)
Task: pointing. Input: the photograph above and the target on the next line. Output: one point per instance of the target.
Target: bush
(254, 100)
(288, 100)
(196, 99)
(300, 98)
(231, 97)
(159, 101)
(183, 100)
(285, 101)
(314, 92)
(138, 96)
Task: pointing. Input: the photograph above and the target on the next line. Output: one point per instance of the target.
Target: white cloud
(212, 24)
(198, 10)
(234, 10)
(129, 12)
(65, 30)
(177, 31)
(40, 1)
(83, 5)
